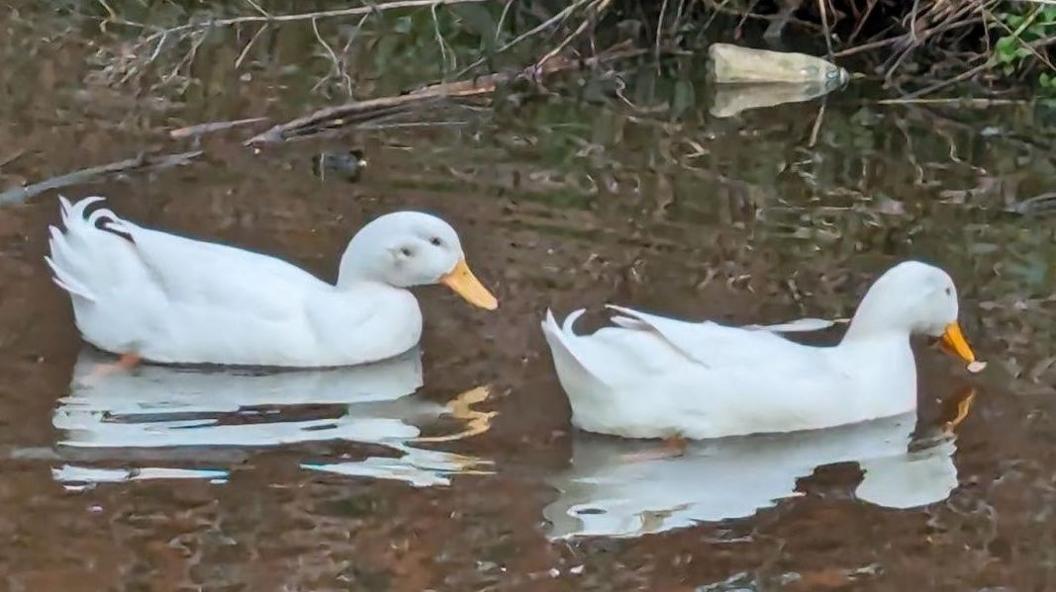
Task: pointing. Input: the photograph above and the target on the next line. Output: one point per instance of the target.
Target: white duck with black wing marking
(171, 299)
(657, 377)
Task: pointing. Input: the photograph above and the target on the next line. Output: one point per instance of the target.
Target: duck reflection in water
(167, 422)
(624, 488)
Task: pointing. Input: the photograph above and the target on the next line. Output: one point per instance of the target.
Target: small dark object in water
(347, 165)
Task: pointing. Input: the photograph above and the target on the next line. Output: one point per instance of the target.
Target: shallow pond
(182, 479)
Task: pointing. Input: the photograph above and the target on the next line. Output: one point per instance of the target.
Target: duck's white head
(912, 298)
(405, 249)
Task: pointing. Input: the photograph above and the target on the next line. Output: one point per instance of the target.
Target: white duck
(165, 298)
(656, 377)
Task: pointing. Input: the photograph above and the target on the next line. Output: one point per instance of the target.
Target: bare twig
(360, 112)
(823, 9)
(560, 16)
(817, 126)
(443, 45)
(201, 129)
(245, 51)
(660, 32)
(17, 154)
(971, 73)
(861, 21)
(597, 8)
(307, 16)
(338, 65)
(144, 161)
(1019, 31)
(258, 8)
(502, 19)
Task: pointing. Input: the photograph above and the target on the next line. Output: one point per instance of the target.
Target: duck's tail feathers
(66, 281)
(573, 367)
(76, 250)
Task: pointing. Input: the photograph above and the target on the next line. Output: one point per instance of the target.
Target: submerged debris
(734, 64)
(347, 165)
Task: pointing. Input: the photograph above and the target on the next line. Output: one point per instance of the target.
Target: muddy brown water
(169, 479)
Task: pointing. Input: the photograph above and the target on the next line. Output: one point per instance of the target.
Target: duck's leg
(675, 445)
(125, 363)
(670, 447)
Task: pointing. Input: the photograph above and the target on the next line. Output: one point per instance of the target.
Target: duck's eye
(406, 251)
(949, 291)
(435, 241)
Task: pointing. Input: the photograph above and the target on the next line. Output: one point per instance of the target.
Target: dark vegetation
(916, 47)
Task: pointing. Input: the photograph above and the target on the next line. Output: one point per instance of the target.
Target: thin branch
(502, 18)
(560, 16)
(598, 9)
(17, 154)
(245, 51)
(443, 45)
(660, 32)
(971, 73)
(306, 16)
(339, 68)
(823, 8)
(258, 8)
(201, 129)
(144, 161)
(817, 126)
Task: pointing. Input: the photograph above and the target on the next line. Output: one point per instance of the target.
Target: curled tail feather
(71, 249)
(570, 365)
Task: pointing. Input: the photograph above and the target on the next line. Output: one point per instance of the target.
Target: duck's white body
(656, 377)
(172, 299)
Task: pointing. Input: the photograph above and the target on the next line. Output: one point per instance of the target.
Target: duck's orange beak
(465, 284)
(954, 342)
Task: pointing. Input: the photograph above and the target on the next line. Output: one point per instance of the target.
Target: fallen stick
(372, 109)
(17, 154)
(202, 129)
(340, 116)
(143, 161)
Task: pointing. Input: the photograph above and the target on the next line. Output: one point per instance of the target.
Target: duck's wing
(101, 252)
(712, 345)
(798, 326)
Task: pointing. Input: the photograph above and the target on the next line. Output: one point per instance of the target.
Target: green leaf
(1005, 45)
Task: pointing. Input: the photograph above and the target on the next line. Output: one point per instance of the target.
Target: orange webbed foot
(125, 363)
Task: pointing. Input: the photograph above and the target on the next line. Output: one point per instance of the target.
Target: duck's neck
(355, 267)
(348, 276)
(877, 315)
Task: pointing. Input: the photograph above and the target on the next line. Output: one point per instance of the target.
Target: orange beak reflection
(465, 284)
